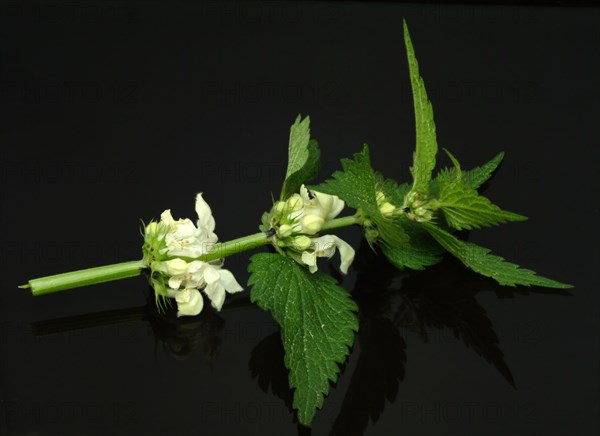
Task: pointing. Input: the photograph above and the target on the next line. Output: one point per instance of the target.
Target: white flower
(318, 208)
(183, 238)
(325, 246)
(306, 212)
(212, 279)
(218, 281)
(319, 204)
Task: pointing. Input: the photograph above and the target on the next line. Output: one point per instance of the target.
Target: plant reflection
(180, 337)
(391, 302)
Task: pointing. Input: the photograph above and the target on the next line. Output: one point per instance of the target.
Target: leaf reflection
(391, 302)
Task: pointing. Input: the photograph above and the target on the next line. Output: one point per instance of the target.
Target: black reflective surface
(114, 112)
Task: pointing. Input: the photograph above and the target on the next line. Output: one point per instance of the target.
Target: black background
(115, 111)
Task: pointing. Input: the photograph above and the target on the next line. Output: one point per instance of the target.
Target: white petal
(336, 207)
(189, 302)
(184, 228)
(324, 246)
(176, 267)
(175, 282)
(211, 274)
(205, 218)
(304, 194)
(310, 259)
(315, 209)
(346, 254)
(195, 265)
(196, 274)
(229, 282)
(167, 218)
(216, 294)
(325, 202)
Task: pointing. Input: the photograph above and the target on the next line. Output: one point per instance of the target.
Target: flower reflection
(180, 337)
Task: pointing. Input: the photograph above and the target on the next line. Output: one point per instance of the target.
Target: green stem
(235, 246)
(340, 222)
(84, 277)
(107, 273)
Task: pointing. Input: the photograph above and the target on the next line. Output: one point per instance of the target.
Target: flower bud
(412, 197)
(294, 203)
(380, 198)
(279, 207)
(284, 231)
(152, 228)
(421, 211)
(311, 224)
(301, 243)
(387, 209)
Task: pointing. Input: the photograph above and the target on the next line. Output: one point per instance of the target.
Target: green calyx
(155, 247)
(155, 252)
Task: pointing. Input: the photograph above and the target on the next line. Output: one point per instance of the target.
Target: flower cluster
(418, 208)
(296, 222)
(172, 248)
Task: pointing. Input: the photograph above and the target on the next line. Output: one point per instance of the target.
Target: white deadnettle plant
(318, 317)
(172, 248)
(302, 216)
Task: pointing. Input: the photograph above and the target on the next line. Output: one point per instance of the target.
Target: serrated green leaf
(464, 208)
(472, 178)
(318, 321)
(298, 145)
(308, 172)
(358, 185)
(303, 158)
(477, 176)
(426, 142)
(481, 261)
(421, 252)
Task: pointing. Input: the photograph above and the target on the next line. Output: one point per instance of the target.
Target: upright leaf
(303, 157)
(426, 142)
(298, 145)
(318, 322)
(481, 261)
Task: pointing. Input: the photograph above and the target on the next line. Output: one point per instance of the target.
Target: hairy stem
(84, 277)
(117, 271)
